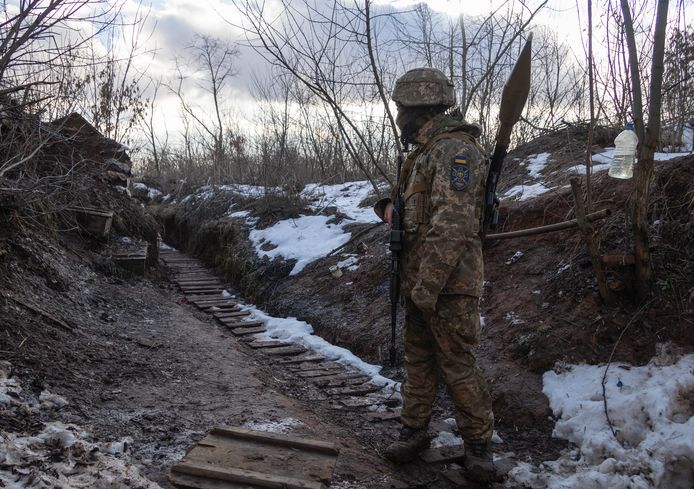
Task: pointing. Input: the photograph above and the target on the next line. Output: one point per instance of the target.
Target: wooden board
(224, 307)
(381, 416)
(354, 391)
(321, 372)
(306, 366)
(285, 351)
(359, 402)
(231, 457)
(267, 344)
(200, 297)
(248, 331)
(454, 453)
(231, 314)
(207, 303)
(307, 358)
(241, 324)
(340, 381)
(202, 290)
(182, 277)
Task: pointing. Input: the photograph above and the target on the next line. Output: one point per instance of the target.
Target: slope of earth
(541, 302)
(134, 367)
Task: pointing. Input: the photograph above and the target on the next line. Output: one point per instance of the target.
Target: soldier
(442, 188)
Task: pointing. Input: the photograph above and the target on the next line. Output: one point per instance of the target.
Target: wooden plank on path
(454, 453)
(226, 305)
(309, 357)
(303, 367)
(358, 402)
(381, 416)
(240, 324)
(199, 283)
(193, 276)
(243, 476)
(287, 350)
(340, 380)
(278, 439)
(231, 314)
(248, 331)
(192, 482)
(267, 344)
(320, 372)
(235, 458)
(202, 297)
(206, 303)
(198, 290)
(210, 299)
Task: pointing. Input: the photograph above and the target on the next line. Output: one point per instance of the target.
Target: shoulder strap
(409, 162)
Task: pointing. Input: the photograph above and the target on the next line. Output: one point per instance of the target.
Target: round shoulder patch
(460, 173)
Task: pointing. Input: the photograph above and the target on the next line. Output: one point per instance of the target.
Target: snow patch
(651, 410)
(304, 239)
(283, 426)
(525, 192)
(60, 455)
(351, 263)
(308, 238)
(300, 332)
(536, 164)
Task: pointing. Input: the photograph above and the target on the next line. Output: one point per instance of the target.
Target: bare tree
(648, 135)
(312, 46)
(214, 61)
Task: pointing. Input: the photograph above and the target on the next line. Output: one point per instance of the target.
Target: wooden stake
(593, 249)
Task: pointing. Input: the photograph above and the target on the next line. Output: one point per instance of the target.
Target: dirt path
(142, 364)
(164, 374)
(133, 360)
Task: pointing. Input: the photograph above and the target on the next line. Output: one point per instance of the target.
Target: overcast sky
(174, 23)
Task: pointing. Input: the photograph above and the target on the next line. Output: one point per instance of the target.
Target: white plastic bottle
(624, 152)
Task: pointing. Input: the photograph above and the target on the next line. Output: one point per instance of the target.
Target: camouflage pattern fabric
(441, 275)
(442, 219)
(445, 341)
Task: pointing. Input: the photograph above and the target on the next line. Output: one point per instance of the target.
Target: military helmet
(423, 87)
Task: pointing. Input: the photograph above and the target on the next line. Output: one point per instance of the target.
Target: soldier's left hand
(424, 299)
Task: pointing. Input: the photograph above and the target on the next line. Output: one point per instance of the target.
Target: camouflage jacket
(442, 186)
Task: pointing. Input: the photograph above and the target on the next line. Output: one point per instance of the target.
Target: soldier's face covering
(411, 119)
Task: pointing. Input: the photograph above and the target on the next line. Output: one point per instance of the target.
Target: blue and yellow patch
(460, 173)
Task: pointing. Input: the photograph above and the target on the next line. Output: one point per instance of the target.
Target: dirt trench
(136, 362)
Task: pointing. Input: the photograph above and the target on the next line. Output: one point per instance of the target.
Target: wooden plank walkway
(345, 386)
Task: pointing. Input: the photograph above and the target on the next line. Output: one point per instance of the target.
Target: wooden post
(593, 249)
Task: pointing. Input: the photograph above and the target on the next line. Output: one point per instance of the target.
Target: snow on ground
(249, 190)
(525, 192)
(300, 332)
(345, 196)
(152, 193)
(536, 163)
(600, 162)
(308, 238)
(652, 413)
(282, 426)
(61, 455)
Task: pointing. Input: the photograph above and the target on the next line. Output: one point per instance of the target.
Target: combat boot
(410, 442)
(479, 464)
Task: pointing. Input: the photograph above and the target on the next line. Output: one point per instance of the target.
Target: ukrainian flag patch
(460, 173)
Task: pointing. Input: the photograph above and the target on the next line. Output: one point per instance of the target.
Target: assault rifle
(396, 243)
(513, 100)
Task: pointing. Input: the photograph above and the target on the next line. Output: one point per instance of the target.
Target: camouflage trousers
(444, 342)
